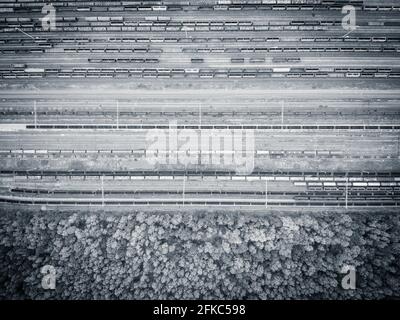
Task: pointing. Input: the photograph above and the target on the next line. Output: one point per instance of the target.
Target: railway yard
(200, 149)
(320, 103)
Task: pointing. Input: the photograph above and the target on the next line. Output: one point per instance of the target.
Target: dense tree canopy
(198, 255)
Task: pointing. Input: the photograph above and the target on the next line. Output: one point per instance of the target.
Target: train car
(353, 75)
(18, 66)
(34, 70)
(257, 60)
(237, 60)
(192, 70)
(196, 60)
(281, 70)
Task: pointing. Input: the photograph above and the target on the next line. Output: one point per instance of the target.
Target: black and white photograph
(200, 150)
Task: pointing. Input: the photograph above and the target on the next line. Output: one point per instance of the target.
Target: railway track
(322, 101)
(298, 196)
(195, 202)
(204, 192)
(188, 41)
(308, 154)
(196, 73)
(214, 173)
(357, 189)
(214, 126)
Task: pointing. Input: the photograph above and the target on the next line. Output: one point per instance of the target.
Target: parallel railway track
(212, 173)
(201, 52)
(205, 192)
(195, 202)
(214, 126)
